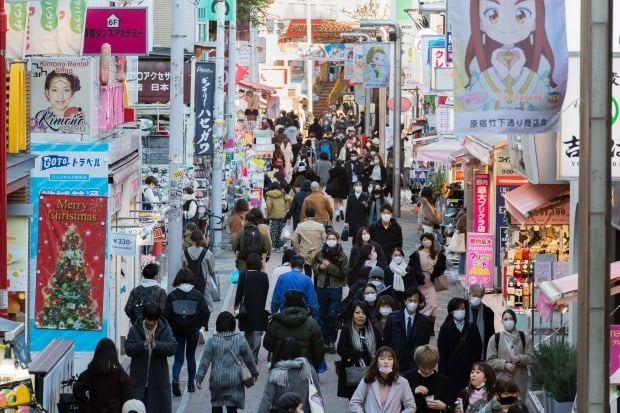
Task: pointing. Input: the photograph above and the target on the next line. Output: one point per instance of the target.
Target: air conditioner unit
(534, 156)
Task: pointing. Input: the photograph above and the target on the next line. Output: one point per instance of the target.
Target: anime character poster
(511, 65)
(62, 99)
(377, 65)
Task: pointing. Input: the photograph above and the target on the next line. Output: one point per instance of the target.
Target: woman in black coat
(363, 238)
(338, 187)
(459, 346)
(252, 291)
(356, 215)
(294, 211)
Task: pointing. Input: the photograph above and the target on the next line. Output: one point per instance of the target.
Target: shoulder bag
(314, 399)
(246, 376)
(441, 283)
(457, 243)
(355, 374)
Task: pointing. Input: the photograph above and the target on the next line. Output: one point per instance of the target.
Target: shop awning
(256, 86)
(322, 29)
(570, 284)
(478, 148)
(442, 151)
(539, 204)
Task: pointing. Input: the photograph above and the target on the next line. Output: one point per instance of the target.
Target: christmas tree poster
(70, 262)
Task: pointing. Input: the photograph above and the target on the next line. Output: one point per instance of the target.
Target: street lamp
(397, 97)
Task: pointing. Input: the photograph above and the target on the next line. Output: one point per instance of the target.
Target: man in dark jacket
(315, 129)
(386, 231)
(295, 321)
(149, 344)
(294, 210)
(481, 315)
(407, 329)
(355, 170)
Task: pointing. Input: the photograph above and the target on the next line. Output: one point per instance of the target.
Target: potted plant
(556, 370)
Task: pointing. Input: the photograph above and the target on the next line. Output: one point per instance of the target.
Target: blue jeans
(461, 263)
(186, 348)
(329, 303)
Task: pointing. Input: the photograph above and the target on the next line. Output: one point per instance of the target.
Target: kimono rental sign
(511, 65)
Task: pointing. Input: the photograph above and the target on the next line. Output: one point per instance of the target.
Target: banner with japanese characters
(71, 26)
(376, 64)
(479, 259)
(510, 65)
(204, 91)
(481, 203)
(16, 29)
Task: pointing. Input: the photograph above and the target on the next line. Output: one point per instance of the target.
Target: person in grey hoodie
(289, 372)
(322, 168)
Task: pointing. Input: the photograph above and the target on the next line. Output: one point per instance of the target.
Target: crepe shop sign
(481, 203)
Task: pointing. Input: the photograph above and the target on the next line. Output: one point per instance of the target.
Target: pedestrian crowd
(381, 328)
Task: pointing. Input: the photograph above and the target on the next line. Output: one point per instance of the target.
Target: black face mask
(507, 400)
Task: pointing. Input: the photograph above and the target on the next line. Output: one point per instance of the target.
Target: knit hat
(376, 272)
(289, 400)
(134, 406)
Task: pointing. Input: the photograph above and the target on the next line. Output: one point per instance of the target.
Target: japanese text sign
(614, 354)
(154, 81)
(481, 203)
(204, 91)
(479, 264)
(124, 28)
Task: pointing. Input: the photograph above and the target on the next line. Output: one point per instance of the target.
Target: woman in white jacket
(382, 390)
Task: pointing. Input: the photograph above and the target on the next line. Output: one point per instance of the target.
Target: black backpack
(186, 205)
(142, 296)
(250, 243)
(146, 206)
(195, 266)
(185, 315)
(497, 335)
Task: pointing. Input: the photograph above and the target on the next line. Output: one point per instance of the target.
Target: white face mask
(397, 260)
(366, 237)
(377, 283)
(427, 243)
(354, 158)
(373, 256)
(458, 315)
(385, 370)
(331, 243)
(386, 217)
(475, 301)
(509, 325)
(385, 311)
(370, 298)
(357, 189)
(411, 307)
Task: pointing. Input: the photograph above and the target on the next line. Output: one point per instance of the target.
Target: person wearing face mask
(430, 388)
(511, 351)
(383, 388)
(362, 238)
(369, 295)
(338, 188)
(358, 341)
(377, 200)
(386, 304)
(356, 213)
(355, 169)
(376, 170)
(387, 232)
(506, 396)
(407, 329)
(377, 278)
(459, 345)
(481, 315)
(425, 265)
(330, 267)
(366, 259)
(397, 272)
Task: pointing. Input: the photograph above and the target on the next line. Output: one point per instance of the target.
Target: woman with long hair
(338, 188)
(358, 341)
(289, 372)
(383, 389)
(104, 385)
(428, 216)
(386, 304)
(363, 237)
(479, 391)
(397, 271)
(277, 159)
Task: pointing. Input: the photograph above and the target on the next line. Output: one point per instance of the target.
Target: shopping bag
(314, 399)
(234, 276)
(286, 234)
(457, 243)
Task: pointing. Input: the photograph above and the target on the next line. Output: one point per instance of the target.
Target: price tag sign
(123, 244)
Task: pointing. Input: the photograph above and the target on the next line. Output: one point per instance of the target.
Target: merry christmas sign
(70, 262)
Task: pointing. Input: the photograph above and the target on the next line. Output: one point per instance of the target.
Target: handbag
(314, 399)
(344, 235)
(355, 374)
(457, 243)
(441, 283)
(246, 376)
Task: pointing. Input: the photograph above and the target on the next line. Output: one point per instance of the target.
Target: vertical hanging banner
(204, 91)
(481, 203)
(377, 65)
(511, 65)
(43, 28)
(71, 26)
(16, 29)
(70, 262)
(479, 263)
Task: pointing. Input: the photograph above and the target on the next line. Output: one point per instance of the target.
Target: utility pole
(176, 139)
(595, 241)
(309, 61)
(232, 71)
(4, 295)
(217, 175)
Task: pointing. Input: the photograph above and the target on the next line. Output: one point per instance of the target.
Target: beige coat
(500, 357)
(322, 206)
(308, 238)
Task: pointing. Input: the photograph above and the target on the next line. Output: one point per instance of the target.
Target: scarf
(479, 321)
(279, 373)
(369, 338)
(510, 338)
(399, 270)
(477, 398)
(331, 253)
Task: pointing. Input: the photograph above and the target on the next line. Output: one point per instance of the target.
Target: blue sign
(501, 226)
(204, 91)
(448, 47)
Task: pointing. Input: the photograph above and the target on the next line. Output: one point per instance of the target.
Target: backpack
(195, 266)
(186, 206)
(497, 336)
(250, 243)
(185, 315)
(146, 206)
(142, 296)
(324, 146)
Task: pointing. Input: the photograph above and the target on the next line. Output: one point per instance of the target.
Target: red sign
(124, 28)
(481, 203)
(70, 262)
(459, 175)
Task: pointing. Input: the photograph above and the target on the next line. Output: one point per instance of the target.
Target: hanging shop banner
(70, 262)
(154, 81)
(204, 91)
(358, 64)
(503, 185)
(16, 29)
(479, 263)
(511, 65)
(43, 28)
(429, 59)
(377, 65)
(124, 28)
(17, 266)
(349, 61)
(72, 14)
(65, 99)
(614, 354)
(481, 203)
(336, 51)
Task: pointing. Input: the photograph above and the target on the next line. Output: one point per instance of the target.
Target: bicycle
(66, 402)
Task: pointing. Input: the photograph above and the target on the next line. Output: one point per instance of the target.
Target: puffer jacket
(277, 203)
(296, 322)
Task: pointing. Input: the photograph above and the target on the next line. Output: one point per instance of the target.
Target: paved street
(200, 400)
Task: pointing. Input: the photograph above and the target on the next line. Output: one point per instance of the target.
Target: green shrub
(556, 369)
